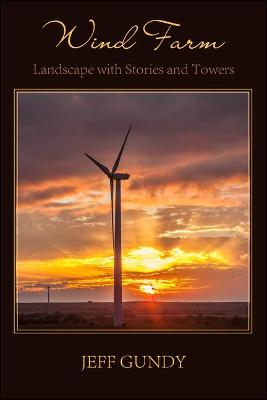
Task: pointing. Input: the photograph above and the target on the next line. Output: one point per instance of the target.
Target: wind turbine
(116, 228)
(48, 294)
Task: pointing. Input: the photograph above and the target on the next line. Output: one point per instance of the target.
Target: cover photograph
(133, 200)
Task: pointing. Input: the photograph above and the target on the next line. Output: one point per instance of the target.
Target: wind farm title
(161, 33)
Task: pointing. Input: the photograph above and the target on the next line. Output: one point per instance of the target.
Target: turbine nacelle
(120, 177)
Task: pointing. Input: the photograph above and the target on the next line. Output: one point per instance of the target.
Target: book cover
(133, 200)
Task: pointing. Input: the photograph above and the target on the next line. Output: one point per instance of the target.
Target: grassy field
(137, 315)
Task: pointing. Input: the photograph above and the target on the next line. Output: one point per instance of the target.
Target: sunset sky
(185, 217)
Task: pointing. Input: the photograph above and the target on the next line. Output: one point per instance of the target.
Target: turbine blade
(112, 210)
(116, 164)
(101, 166)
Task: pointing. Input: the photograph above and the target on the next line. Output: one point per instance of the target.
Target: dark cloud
(34, 196)
(56, 129)
(203, 173)
(214, 169)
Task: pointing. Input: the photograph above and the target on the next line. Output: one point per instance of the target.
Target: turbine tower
(48, 294)
(116, 228)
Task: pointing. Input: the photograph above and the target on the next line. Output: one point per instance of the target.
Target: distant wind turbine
(116, 228)
(48, 294)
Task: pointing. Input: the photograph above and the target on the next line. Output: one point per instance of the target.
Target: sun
(147, 289)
